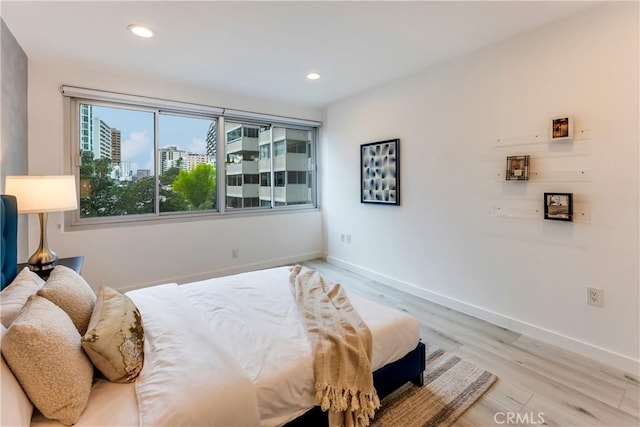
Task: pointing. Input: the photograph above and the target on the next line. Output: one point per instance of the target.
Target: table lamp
(43, 194)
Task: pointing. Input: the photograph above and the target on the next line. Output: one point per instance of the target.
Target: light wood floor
(544, 384)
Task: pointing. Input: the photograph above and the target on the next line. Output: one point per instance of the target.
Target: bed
(230, 351)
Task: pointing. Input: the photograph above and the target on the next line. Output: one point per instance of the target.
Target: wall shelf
(581, 216)
(549, 176)
(540, 138)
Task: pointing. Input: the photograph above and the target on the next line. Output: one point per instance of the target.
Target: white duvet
(229, 351)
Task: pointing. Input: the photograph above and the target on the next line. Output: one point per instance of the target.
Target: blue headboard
(9, 246)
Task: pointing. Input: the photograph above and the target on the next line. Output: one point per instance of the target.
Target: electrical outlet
(595, 297)
(235, 253)
(342, 237)
(348, 239)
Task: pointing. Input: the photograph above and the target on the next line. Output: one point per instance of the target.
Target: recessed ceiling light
(141, 30)
(313, 76)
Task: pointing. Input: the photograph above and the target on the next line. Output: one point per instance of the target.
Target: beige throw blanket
(342, 347)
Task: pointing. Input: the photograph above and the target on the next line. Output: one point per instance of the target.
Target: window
(278, 148)
(114, 188)
(186, 163)
(139, 160)
(297, 147)
(251, 178)
(296, 177)
(234, 180)
(291, 165)
(119, 174)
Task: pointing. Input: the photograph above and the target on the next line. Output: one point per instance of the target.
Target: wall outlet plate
(595, 297)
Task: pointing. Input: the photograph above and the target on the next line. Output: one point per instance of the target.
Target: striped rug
(451, 386)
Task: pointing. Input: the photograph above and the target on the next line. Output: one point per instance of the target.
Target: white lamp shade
(37, 194)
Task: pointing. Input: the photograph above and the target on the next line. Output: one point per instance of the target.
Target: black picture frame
(517, 168)
(380, 172)
(558, 206)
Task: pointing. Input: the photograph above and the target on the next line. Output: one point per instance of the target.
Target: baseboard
(608, 357)
(226, 271)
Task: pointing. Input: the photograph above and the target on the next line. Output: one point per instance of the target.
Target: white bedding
(253, 319)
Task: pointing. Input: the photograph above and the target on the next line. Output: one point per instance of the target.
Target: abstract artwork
(380, 172)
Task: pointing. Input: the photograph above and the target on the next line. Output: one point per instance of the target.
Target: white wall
(13, 117)
(127, 257)
(526, 274)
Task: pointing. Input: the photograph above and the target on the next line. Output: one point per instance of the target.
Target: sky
(136, 127)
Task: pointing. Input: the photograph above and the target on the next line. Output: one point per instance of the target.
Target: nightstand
(74, 263)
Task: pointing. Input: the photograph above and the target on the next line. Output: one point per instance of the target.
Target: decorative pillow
(14, 296)
(69, 291)
(42, 348)
(15, 409)
(115, 339)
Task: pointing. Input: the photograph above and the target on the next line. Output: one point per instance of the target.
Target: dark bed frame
(386, 379)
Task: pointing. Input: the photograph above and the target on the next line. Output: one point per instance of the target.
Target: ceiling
(265, 49)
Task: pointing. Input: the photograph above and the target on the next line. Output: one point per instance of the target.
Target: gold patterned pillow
(115, 337)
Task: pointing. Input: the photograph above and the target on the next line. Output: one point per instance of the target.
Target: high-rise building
(86, 127)
(101, 139)
(95, 135)
(115, 146)
(212, 140)
(171, 157)
(241, 161)
(121, 171)
(142, 173)
(291, 166)
(194, 159)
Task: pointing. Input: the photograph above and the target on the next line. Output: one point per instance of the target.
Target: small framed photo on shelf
(558, 206)
(380, 172)
(517, 168)
(561, 129)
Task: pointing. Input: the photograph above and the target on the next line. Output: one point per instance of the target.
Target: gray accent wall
(13, 119)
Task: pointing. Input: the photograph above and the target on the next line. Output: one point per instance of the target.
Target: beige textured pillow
(115, 339)
(69, 291)
(42, 348)
(14, 296)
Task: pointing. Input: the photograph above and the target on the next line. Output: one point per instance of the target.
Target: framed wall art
(380, 172)
(558, 206)
(517, 168)
(561, 128)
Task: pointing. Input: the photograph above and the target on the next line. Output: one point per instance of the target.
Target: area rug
(451, 386)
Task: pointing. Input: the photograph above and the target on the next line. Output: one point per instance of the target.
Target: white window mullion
(221, 172)
(156, 151)
(273, 175)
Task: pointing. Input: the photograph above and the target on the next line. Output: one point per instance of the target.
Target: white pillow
(14, 296)
(42, 347)
(15, 409)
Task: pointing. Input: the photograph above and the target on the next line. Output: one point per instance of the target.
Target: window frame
(74, 97)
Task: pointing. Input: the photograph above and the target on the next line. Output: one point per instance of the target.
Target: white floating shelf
(549, 176)
(581, 216)
(540, 138)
